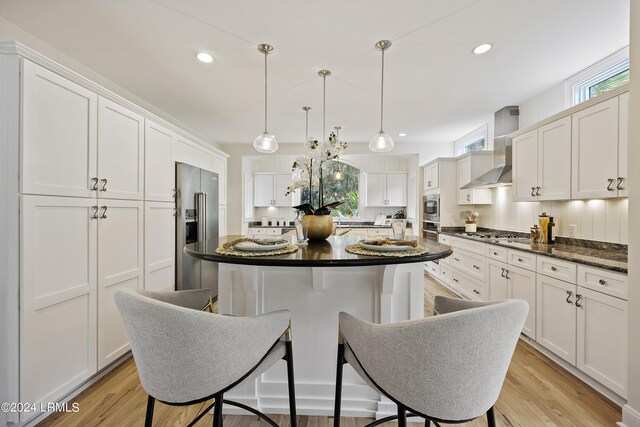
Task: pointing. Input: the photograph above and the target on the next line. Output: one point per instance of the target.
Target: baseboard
(630, 417)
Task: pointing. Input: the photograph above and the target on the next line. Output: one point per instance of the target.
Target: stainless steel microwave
(431, 207)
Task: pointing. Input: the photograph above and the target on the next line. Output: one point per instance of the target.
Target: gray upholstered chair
(186, 356)
(446, 368)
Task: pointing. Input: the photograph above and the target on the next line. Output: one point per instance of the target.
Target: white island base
(315, 296)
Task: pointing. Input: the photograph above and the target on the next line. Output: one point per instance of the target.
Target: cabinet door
(496, 281)
(192, 153)
(464, 177)
(525, 166)
(120, 152)
(58, 290)
(263, 190)
(602, 339)
(120, 265)
(594, 145)
(280, 184)
(522, 285)
(623, 145)
(556, 317)
(397, 189)
(431, 180)
(480, 196)
(59, 122)
(222, 220)
(160, 247)
(376, 189)
(435, 174)
(220, 167)
(159, 169)
(554, 160)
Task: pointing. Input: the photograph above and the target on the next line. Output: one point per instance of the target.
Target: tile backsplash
(602, 220)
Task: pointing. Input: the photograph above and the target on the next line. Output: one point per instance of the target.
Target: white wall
(543, 105)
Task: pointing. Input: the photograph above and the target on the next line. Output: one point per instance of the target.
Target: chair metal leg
(292, 384)
(427, 423)
(148, 419)
(338, 401)
(491, 419)
(402, 416)
(217, 411)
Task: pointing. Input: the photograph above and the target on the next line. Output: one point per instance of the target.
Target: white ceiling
(435, 88)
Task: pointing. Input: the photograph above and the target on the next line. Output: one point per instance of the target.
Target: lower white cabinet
(556, 317)
(159, 243)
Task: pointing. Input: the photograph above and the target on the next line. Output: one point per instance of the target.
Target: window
(599, 78)
(474, 141)
(345, 190)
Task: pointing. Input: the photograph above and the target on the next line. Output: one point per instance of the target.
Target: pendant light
(324, 74)
(265, 142)
(306, 128)
(381, 142)
(338, 175)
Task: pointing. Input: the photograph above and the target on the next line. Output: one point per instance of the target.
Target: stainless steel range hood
(505, 122)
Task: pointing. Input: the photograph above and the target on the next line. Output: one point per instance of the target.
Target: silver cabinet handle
(94, 184)
(455, 280)
(456, 259)
(610, 183)
(175, 211)
(173, 193)
(578, 298)
(104, 185)
(602, 282)
(94, 212)
(495, 253)
(569, 295)
(537, 191)
(506, 274)
(476, 267)
(533, 191)
(619, 186)
(519, 259)
(468, 197)
(503, 270)
(103, 215)
(476, 292)
(553, 268)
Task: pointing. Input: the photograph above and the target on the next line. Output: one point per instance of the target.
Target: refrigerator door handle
(201, 207)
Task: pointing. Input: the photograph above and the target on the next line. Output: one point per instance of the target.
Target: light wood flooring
(536, 392)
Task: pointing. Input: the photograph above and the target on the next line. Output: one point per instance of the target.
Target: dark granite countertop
(324, 253)
(596, 254)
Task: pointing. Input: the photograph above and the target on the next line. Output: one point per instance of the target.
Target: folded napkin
(384, 241)
(266, 242)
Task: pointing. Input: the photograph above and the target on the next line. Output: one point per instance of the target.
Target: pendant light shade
(265, 142)
(381, 142)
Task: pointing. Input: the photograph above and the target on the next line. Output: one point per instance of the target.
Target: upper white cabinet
(160, 174)
(220, 167)
(270, 190)
(623, 145)
(469, 168)
(189, 152)
(59, 135)
(431, 176)
(120, 152)
(595, 151)
(386, 189)
(542, 163)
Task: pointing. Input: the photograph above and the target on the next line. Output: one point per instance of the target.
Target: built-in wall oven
(431, 218)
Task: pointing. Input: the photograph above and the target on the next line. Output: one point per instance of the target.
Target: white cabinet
(556, 317)
(120, 152)
(192, 153)
(160, 248)
(386, 189)
(595, 151)
(120, 266)
(59, 135)
(159, 168)
(59, 296)
(469, 168)
(541, 163)
(471, 288)
(270, 190)
(220, 167)
(602, 339)
(623, 145)
(431, 176)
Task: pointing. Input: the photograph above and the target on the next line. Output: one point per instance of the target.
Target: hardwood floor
(536, 392)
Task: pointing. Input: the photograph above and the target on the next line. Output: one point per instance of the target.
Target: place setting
(263, 246)
(384, 246)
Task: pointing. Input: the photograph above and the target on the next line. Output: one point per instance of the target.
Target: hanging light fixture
(381, 142)
(265, 142)
(338, 175)
(306, 129)
(324, 74)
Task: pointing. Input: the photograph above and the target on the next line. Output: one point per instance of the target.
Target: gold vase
(320, 226)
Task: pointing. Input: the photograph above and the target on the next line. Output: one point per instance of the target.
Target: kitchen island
(315, 283)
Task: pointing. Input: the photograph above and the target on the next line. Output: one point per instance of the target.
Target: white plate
(250, 246)
(388, 248)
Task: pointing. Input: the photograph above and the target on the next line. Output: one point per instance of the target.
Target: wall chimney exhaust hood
(505, 121)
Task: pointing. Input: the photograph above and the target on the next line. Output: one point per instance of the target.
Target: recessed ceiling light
(483, 48)
(204, 57)
(402, 134)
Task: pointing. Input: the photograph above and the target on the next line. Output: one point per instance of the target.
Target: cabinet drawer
(432, 268)
(468, 245)
(445, 239)
(445, 273)
(469, 287)
(521, 259)
(379, 231)
(556, 268)
(607, 282)
(497, 252)
(446, 260)
(255, 231)
(471, 264)
(274, 231)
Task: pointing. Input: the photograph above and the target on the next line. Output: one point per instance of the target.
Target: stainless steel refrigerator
(196, 220)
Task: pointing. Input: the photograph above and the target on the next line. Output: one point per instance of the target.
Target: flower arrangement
(311, 167)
